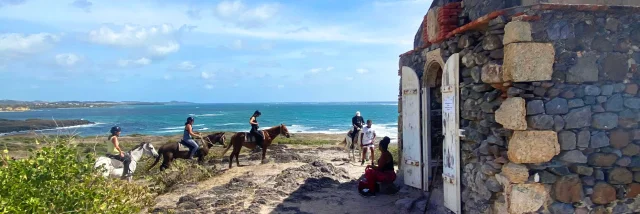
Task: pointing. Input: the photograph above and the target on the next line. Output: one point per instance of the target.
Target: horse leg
(264, 153)
(231, 159)
(237, 161)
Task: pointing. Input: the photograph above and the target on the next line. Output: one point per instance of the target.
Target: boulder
(603, 193)
(515, 173)
(517, 31)
(568, 189)
(573, 156)
(620, 175)
(526, 198)
(602, 159)
(491, 73)
(578, 118)
(512, 114)
(605, 121)
(567, 140)
(528, 62)
(533, 146)
(619, 138)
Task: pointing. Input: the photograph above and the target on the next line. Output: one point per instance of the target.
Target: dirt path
(296, 180)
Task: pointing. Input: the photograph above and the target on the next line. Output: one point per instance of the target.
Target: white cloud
(241, 15)
(208, 86)
(14, 44)
(362, 70)
(206, 75)
(167, 77)
(315, 70)
(137, 62)
(158, 40)
(348, 78)
(83, 4)
(67, 59)
(186, 66)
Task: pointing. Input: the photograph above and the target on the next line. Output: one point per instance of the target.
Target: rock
(488, 169)
(631, 150)
(525, 198)
(561, 208)
(574, 103)
(585, 69)
(602, 44)
(511, 114)
(583, 139)
(619, 138)
(513, 91)
(517, 31)
(615, 103)
(578, 118)
(606, 90)
(581, 170)
(567, 140)
(589, 100)
(591, 90)
(633, 190)
(628, 119)
(636, 177)
(547, 177)
(492, 73)
(497, 54)
(493, 185)
(558, 123)
(539, 91)
(597, 108)
(540, 122)
(515, 173)
(603, 193)
(615, 67)
(588, 180)
(623, 161)
(602, 159)
(632, 102)
(495, 140)
(598, 140)
(481, 88)
(533, 146)
(568, 189)
(631, 88)
(619, 87)
(568, 94)
(557, 106)
(560, 170)
(475, 74)
(491, 42)
(535, 107)
(601, 99)
(527, 62)
(636, 134)
(620, 175)
(605, 121)
(598, 174)
(469, 60)
(481, 59)
(573, 156)
(612, 24)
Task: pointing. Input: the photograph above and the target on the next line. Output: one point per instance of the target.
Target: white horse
(115, 168)
(352, 147)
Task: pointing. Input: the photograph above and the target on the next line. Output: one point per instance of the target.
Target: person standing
(368, 136)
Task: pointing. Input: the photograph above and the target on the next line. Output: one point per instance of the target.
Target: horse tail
(160, 152)
(230, 144)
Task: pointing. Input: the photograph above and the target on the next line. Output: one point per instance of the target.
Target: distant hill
(73, 104)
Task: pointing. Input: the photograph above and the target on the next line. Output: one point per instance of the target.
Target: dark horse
(170, 150)
(238, 140)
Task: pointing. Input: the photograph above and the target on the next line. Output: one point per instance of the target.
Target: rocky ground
(299, 179)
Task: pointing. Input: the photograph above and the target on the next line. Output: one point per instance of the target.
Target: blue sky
(205, 51)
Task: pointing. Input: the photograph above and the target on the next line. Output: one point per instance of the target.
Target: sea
(169, 119)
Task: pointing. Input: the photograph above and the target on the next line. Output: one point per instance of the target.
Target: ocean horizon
(169, 119)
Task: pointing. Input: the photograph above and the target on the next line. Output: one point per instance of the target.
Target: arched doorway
(432, 123)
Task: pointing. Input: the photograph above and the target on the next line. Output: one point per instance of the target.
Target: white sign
(448, 104)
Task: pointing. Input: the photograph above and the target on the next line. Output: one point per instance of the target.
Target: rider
(254, 128)
(187, 137)
(115, 152)
(357, 122)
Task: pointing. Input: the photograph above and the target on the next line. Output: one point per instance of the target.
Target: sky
(205, 51)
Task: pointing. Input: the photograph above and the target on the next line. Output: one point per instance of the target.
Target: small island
(8, 126)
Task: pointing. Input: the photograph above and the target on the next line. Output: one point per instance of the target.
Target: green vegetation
(54, 178)
(302, 141)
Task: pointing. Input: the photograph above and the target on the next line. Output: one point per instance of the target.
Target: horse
(247, 140)
(351, 146)
(172, 150)
(115, 167)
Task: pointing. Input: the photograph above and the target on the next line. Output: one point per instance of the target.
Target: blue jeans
(193, 146)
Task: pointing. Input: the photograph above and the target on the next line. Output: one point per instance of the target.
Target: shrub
(54, 179)
(180, 172)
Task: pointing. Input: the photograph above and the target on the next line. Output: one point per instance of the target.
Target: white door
(411, 128)
(450, 125)
(426, 138)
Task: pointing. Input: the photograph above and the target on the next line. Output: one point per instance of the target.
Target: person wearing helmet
(115, 152)
(357, 122)
(254, 128)
(187, 137)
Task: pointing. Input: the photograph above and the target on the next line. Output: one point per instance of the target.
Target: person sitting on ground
(187, 137)
(384, 171)
(368, 136)
(254, 128)
(356, 122)
(115, 152)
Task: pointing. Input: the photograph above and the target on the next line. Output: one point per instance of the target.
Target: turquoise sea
(169, 119)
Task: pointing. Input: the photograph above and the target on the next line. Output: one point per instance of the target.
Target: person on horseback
(254, 128)
(187, 137)
(115, 152)
(357, 123)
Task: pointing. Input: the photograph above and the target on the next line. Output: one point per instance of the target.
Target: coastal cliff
(7, 126)
(14, 109)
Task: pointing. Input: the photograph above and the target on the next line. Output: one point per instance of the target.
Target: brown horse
(171, 151)
(238, 140)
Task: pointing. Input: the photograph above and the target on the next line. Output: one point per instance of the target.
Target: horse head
(212, 139)
(284, 131)
(148, 149)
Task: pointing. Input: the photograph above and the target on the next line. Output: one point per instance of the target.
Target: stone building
(527, 106)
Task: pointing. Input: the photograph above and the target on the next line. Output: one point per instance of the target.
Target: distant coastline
(14, 126)
(21, 106)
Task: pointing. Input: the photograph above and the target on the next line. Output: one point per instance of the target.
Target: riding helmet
(257, 113)
(115, 129)
(189, 119)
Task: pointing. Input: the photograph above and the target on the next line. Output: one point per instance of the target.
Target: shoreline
(8, 127)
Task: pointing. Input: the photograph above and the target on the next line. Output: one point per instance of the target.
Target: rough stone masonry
(550, 106)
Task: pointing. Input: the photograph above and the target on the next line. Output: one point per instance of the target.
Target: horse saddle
(182, 147)
(250, 138)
